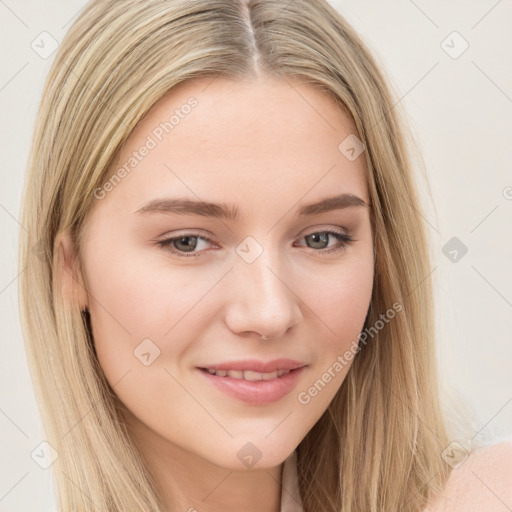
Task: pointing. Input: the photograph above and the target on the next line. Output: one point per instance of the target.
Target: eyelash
(342, 237)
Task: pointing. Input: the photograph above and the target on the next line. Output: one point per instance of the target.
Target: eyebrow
(183, 206)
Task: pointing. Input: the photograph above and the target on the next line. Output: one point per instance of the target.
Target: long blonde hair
(378, 445)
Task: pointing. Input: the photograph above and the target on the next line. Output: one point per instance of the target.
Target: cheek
(343, 309)
(339, 307)
(141, 329)
(139, 297)
(341, 298)
(145, 311)
(129, 302)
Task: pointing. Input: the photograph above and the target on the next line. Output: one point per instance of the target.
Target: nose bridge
(264, 302)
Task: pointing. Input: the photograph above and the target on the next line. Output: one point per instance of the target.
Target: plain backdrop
(448, 62)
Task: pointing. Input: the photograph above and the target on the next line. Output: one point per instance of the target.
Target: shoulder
(481, 482)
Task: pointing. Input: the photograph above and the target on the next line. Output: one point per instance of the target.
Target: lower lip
(259, 392)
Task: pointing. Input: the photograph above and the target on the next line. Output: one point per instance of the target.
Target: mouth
(254, 388)
(247, 374)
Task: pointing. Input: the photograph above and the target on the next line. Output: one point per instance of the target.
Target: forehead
(245, 114)
(220, 139)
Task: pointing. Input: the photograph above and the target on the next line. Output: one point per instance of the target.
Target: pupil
(187, 246)
(321, 236)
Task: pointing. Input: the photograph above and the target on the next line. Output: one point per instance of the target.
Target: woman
(232, 285)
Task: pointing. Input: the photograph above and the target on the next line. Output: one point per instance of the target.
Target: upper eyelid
(200, 232)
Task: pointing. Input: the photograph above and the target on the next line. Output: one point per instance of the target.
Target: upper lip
(257, 366)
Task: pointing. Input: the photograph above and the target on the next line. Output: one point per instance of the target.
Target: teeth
(235, 374)
(248, 375)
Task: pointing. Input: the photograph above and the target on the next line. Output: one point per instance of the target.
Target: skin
(267, 146)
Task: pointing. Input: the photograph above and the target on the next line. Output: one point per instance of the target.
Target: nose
(262, 300)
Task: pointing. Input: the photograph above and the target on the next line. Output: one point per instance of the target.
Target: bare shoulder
(482, 481)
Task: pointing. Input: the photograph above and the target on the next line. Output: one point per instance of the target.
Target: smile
(246, 375)
(252, 387)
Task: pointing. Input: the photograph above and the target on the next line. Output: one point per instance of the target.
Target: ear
(69, 273)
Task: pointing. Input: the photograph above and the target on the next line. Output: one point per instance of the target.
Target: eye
(189, 242)
(321, 237)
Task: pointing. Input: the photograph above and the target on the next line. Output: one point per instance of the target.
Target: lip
(257, 366)
(259, 392)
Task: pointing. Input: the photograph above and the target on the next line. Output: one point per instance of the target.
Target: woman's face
(162, 309)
